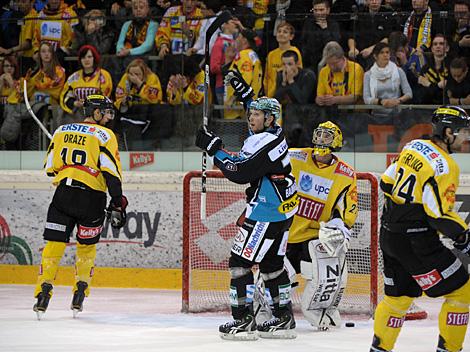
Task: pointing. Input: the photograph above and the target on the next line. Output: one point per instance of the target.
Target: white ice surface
(150, 320)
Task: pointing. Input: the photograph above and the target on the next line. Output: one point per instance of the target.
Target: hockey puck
(350, 324)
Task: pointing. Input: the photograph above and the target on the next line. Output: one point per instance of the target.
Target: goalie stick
(221, 19)
(31, 112)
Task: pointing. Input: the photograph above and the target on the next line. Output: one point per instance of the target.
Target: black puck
(350, 324)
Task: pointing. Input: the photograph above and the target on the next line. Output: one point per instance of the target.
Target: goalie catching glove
(208, 141)
(462, 243)
(243, 91)
(334, 236)
(116, 212)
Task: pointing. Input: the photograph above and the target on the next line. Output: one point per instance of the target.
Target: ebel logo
(141, 159)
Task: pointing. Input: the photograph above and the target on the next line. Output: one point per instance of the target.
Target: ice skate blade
(279, 334)
(241, 336)
(75, 312)
(39, 314)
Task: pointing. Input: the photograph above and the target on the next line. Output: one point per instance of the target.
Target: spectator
(433, 75)
(54, 25)
(175, 37)
(284, 35)
(90, 79)
(294, 85)
(9, 25)
(373, 25)
(317, 32)
(340, 81)
(385, 83)
(458, 85)
(44, 87)
(210, 10)
(421, 25)
(137, 95)
(94, 31)
(24, 48)
(461, 34)
(136, 37)
(217, 59)
(9, 82)
(400, 50)
(242, 58)
(259, 8)
(185, 87)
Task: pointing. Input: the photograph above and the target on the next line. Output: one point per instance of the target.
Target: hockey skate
(239, 329)
(43, 297)
(278, 328)
(78, 297)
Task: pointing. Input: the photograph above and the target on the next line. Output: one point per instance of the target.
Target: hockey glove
(462, 243)
(116, 213)
(243, 91)
(334, 236)
(208, 141)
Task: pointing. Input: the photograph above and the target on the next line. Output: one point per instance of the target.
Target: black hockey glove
(116, 213)
(208, 141)
(243, 91)
(462, 243)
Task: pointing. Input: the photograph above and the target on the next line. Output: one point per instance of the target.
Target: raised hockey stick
(221, 19)
(31, 112)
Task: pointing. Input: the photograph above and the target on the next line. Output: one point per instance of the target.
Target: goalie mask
(327, 138)
(98, 101)
(269, 106)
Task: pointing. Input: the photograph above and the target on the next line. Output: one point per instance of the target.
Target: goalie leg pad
(326, 279)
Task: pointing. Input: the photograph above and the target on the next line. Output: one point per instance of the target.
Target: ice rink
(150, 320)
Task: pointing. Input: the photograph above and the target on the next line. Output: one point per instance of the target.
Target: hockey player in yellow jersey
(420, 188)
(84, 160)
(320, 233)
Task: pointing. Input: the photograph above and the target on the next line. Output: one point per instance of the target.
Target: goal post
(207, 243)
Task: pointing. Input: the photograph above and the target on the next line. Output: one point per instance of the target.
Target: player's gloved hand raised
(208, 141)
(116, 212)
(243, 91)
(462, 243)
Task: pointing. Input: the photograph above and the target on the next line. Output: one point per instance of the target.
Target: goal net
(207, 243)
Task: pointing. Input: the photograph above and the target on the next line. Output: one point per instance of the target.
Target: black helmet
(450, 116)
(97, 101)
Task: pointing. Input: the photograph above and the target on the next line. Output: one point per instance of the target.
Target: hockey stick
(221, 19)
(31, 112)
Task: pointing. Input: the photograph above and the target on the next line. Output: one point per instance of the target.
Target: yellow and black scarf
(136, 33)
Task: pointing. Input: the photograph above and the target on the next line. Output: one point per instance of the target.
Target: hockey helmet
(269, 106)
(98, 101)
(450, 116)
(327, 138)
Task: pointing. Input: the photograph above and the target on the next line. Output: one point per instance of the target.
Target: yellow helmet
(327, 138)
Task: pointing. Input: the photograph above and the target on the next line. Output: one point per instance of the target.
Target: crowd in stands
(148, 56)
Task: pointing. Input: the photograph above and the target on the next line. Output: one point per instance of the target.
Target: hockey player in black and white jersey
(264, 163)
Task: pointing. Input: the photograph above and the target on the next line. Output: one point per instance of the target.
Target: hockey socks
(84, 264)
(51, 255)
(453, 319)
(388, 320)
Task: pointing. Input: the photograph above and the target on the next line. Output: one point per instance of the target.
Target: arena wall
(147, 252)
